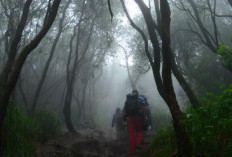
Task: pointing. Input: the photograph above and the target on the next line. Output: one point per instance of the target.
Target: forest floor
(88, 143)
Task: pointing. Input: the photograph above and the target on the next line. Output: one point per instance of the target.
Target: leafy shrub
(47, 125)
(226, 54)
(163, 143)
(160, 119)
(17, 128)
(20, 131)
(210, 126)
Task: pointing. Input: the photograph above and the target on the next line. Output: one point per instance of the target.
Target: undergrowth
(17, 130)
(47, 125)
(209, 128)
(21, 132)
(163, 142)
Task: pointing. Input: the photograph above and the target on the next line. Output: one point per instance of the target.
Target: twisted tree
(164, 80)
(15, 61)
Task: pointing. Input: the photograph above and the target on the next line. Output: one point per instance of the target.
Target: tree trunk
(15, 42)
(67, 108)
(91, 102)
(24, 98)
(81, 113)
(68, 95)
(183, 83)
(183, 142)
(204, 31)
(182, 138)
(72, 74)
(43, 77)
(12, 69)
(132, 82)
(7, 83)
(44, 74)
(230, 1)
(164, 83)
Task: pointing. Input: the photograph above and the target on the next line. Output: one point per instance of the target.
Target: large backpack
(143, 100)
(132, 105)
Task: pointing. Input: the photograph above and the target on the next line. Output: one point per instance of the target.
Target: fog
(101, 78)
(114, 85)
(78, 60)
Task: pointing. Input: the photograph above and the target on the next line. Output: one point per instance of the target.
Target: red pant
(135, 131)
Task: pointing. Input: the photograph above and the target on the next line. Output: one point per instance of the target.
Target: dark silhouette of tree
(230, 1)
(80, 50)
(52, 51)
(13, 66)
(164, 81)
(209, 36)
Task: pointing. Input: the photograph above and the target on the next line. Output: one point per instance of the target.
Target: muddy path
(88, 143)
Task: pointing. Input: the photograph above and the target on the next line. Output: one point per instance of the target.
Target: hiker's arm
(144, 111)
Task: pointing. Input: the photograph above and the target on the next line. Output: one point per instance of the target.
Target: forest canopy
(67, 65)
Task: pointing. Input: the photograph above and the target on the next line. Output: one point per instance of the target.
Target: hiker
(148, 118)
(118, 123)
(134, 112)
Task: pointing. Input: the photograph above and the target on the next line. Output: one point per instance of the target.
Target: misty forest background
(69, 64)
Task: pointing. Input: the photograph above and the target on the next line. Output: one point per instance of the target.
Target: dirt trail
(88, 143)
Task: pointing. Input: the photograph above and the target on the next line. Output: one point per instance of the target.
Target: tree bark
(183, 142)
(183, 83)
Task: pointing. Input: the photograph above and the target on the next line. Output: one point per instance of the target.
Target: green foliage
(163, 143)
(160, 119)
(47, 125)
(210, 126)
(17, 128)
(226, 53)
(20, 131)
(207, 75)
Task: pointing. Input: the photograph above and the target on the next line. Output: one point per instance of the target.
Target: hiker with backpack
(134, 115)
(117, 122)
